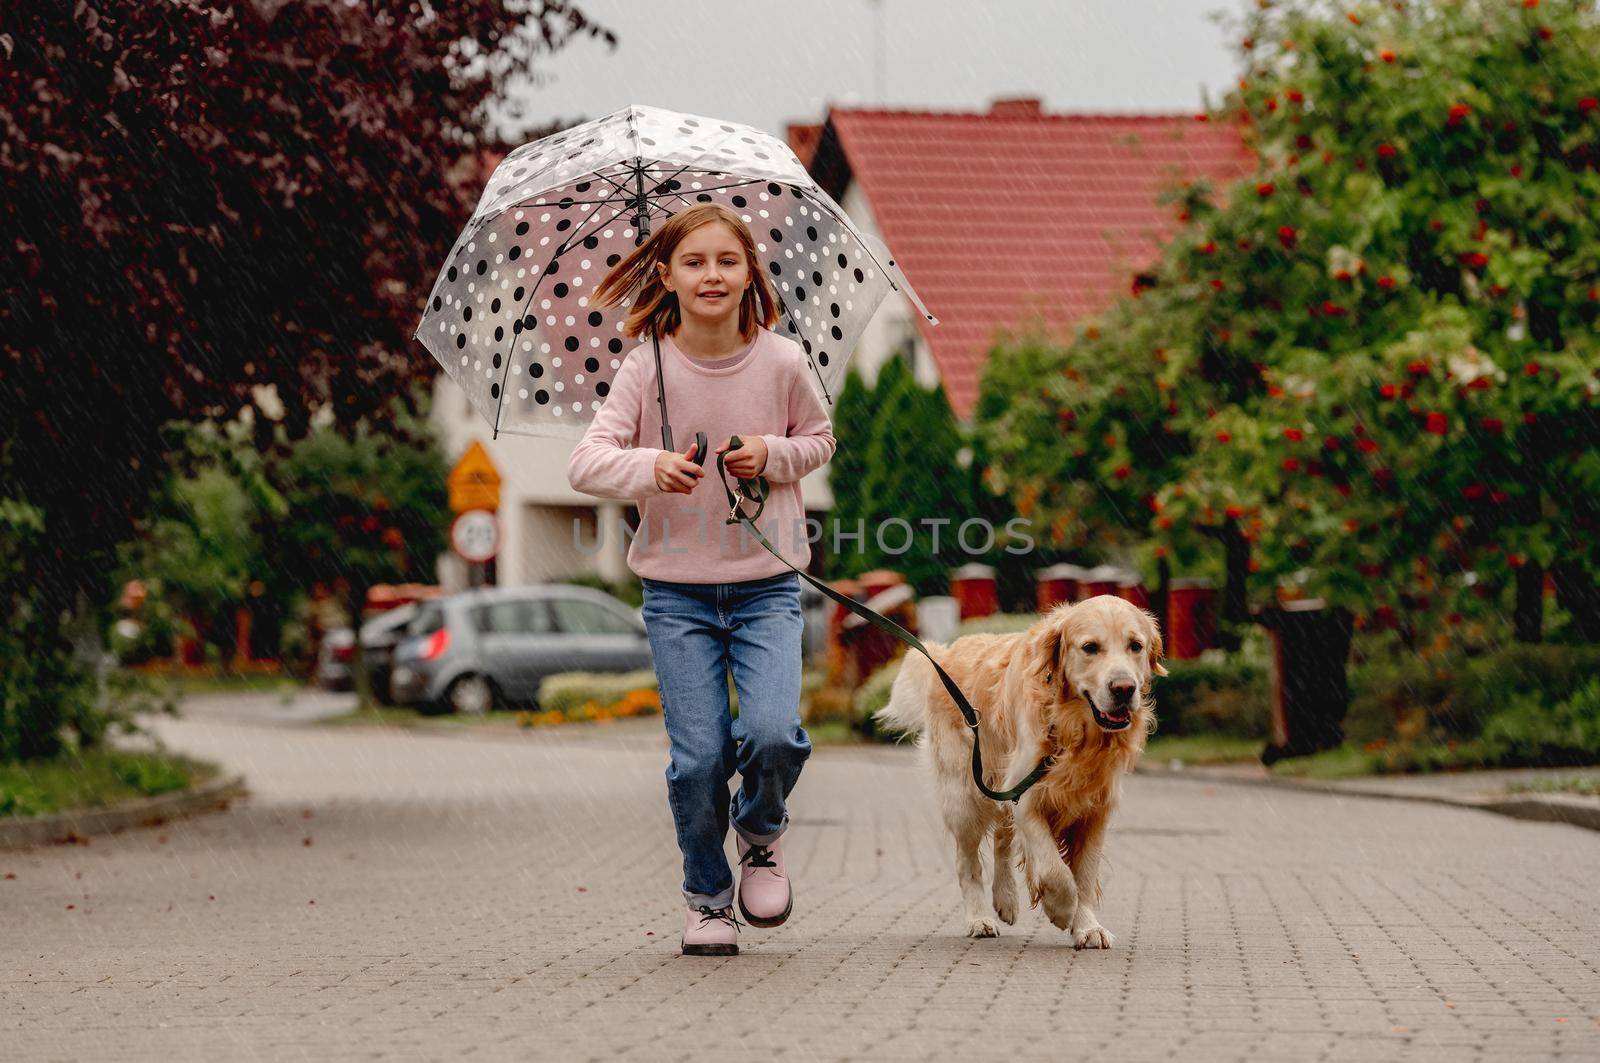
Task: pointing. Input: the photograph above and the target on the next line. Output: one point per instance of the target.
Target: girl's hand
(748, 461)
(677, 473)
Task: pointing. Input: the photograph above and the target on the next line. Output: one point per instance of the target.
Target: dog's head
(1097, 657)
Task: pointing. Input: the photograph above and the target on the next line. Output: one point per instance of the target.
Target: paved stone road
(386, 895)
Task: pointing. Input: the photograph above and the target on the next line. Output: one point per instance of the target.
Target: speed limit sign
(475, 535)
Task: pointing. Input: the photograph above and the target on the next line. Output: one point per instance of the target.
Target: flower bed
(587, 696)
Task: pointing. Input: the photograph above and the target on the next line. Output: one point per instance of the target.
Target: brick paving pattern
(388, 895)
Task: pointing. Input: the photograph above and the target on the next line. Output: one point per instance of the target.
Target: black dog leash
(755, 490)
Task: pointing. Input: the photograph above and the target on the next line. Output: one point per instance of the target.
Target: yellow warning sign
(474, 483)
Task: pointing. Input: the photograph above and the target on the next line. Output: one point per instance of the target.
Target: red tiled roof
(995, 216)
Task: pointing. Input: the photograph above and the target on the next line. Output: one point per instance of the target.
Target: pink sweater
(682, 538)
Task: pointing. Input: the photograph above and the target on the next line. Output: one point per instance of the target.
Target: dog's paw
(1058, 896)
(1061, 908)
(1092, 937)
(983, 927)
(1006, 909)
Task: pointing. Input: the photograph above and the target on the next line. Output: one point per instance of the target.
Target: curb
(1582, 812)
(78, 824)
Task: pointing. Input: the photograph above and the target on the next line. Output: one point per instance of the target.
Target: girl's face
(709, 273)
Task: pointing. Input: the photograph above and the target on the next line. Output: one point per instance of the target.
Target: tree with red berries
(1370, 369)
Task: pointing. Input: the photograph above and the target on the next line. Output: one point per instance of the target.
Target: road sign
(474, 483)
(475, 535)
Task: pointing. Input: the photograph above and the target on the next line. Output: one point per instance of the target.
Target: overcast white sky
(767, 64)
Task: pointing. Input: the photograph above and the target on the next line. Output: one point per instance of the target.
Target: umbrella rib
(809, 360)
(611, 199)
(837, 216)
(718, 188)
(566, 246)
(498, 211)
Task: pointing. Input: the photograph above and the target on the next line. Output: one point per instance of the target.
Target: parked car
(379, 637)
(474, 651)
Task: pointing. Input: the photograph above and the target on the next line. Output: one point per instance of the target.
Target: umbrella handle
(701, 445)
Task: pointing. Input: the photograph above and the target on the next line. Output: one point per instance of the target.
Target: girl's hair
(655, 310)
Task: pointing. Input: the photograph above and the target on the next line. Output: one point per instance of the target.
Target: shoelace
(708, 913)
(758, 856)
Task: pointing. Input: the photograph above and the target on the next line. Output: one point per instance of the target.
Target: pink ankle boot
(765, 896)
(710, 932)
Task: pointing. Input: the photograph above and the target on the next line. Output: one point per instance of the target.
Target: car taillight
(437, 643)
(344, 653)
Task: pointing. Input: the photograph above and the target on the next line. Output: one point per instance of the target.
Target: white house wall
(895, 319)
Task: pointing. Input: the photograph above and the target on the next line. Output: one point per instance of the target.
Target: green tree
(1369, 369)
(198, 552)
(38, 677)
(235, 526)
(363, 507)
(847, 469)
(903, 479)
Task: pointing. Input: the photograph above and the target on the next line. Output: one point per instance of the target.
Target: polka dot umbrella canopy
(510, 318)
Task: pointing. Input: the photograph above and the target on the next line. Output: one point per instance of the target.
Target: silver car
(474, 651)
(379, 637)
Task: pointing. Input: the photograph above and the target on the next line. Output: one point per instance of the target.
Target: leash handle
(758, 492)
(753, 489)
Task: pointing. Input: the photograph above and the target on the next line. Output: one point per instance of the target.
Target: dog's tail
(909, 697)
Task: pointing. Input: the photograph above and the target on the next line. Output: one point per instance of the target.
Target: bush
(567, 693)
(1217, 693)
(873, 695)
(1532, 732)
(1453, 698)
(55, 694)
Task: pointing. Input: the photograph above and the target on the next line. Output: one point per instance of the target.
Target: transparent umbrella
(510, 318)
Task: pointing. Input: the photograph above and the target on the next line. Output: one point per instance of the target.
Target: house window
(906, 346)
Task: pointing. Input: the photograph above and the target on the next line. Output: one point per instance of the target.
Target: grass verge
(1203, 749)
(1583, 786)
(97, 779)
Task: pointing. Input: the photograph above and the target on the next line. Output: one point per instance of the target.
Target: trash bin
(871, 647)
(1191, 617)
(1055, 584)
(973, 587)
(1310, 688)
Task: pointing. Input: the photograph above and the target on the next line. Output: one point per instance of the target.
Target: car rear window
(517, 616)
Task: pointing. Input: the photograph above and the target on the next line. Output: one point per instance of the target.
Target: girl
(711, 604)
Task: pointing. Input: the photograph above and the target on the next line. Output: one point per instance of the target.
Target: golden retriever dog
(1074, 685)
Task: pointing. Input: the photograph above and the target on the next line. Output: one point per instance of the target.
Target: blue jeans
(698, 631)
